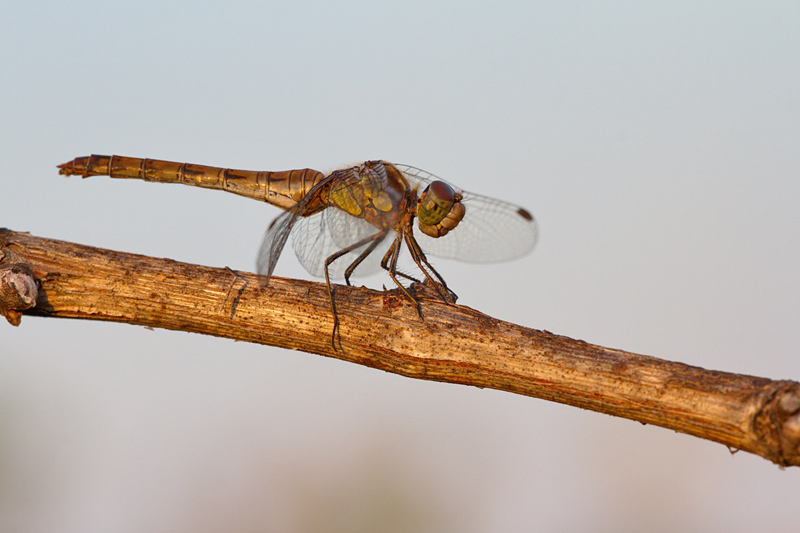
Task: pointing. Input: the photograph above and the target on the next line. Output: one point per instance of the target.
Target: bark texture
(382, 330)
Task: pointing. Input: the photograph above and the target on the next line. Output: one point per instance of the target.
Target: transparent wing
(275, 239)
(318, 236)
(492, 230)
(278, 232)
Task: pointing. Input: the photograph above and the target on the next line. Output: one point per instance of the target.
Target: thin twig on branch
(452, 344)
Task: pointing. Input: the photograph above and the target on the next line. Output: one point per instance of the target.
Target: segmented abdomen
(282, 189)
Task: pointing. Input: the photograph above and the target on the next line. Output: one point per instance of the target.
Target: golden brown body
(282, 189)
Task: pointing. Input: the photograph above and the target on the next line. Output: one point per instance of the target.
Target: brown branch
(453, 344)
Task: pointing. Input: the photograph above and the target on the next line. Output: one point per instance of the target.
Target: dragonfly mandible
(354, 220)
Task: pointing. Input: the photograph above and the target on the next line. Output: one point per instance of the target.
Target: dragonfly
(355, 220)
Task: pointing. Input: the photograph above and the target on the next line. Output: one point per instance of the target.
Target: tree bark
(453, 344)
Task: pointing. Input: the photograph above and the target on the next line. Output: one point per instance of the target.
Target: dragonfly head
(439, 209)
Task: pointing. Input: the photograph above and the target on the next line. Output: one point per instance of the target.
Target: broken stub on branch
(18, 290)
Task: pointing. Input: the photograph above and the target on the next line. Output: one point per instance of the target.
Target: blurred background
(657, 145)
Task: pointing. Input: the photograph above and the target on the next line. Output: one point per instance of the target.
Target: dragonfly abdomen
(282, 189)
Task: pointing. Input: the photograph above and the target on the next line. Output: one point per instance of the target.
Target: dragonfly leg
(376, 240)
(333, 257)
(409, 278)
(389, 263)
(385, 266)
(422, 262)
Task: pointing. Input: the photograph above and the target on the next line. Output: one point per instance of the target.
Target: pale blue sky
(657, 145)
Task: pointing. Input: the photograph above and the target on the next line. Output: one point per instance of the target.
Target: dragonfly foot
(434, 290)
(410, 278)
(336, 337)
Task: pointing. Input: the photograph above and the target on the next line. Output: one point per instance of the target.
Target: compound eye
(435, 203)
